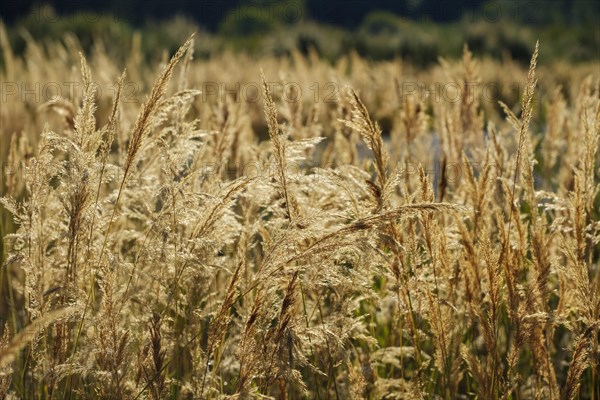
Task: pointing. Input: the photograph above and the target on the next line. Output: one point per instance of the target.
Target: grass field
(291, 227)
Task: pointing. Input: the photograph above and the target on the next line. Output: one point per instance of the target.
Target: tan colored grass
(375, 246)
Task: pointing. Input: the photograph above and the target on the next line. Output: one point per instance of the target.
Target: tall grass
(201, 247)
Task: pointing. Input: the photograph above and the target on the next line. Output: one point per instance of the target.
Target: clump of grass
(195, 247)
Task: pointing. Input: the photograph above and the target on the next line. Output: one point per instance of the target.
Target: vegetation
(280, 28)
(349, 229)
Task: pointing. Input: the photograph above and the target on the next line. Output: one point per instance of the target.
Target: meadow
(288, 227)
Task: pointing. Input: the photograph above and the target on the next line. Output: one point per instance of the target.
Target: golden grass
(366, 241)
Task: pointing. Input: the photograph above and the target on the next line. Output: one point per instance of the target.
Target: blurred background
(419, 31)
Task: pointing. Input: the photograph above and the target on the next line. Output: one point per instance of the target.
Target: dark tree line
(346, 13)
